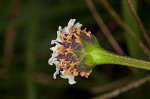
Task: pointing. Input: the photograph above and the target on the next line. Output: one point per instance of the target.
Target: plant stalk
(101, 56)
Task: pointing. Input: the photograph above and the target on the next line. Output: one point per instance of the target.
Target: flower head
(70, 52)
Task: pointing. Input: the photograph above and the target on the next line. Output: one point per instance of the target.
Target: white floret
(70, 77)
(56, 72)
(78, 25)
(56, 47)
(70, 24)
(58, 39)
(53, 59)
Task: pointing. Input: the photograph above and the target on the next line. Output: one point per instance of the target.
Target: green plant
(75, 52)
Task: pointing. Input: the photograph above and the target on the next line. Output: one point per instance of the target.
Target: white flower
(70, 24)
(54, 54)
(70, 77)
(55, 49)
(78, 25)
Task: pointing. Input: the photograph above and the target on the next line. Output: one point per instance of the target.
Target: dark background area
(26, 30)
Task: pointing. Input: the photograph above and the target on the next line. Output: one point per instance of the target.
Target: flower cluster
(67, 52)
(76, 51)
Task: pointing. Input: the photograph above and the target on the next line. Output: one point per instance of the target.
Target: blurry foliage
(43, 18)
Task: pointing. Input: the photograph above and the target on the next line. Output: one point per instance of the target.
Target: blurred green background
(26, 30)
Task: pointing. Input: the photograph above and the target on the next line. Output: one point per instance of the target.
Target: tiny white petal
(53, 41)
(66, 30)
(70, 77)
(71, 23)
(50, 61)
(58, 39)
(58, 33)
(78, 25)
(63, 74)
(56, 72)
(54, 48)
(56, 63)
(60, 28)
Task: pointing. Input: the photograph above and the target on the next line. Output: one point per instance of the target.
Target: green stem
(100, 56)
